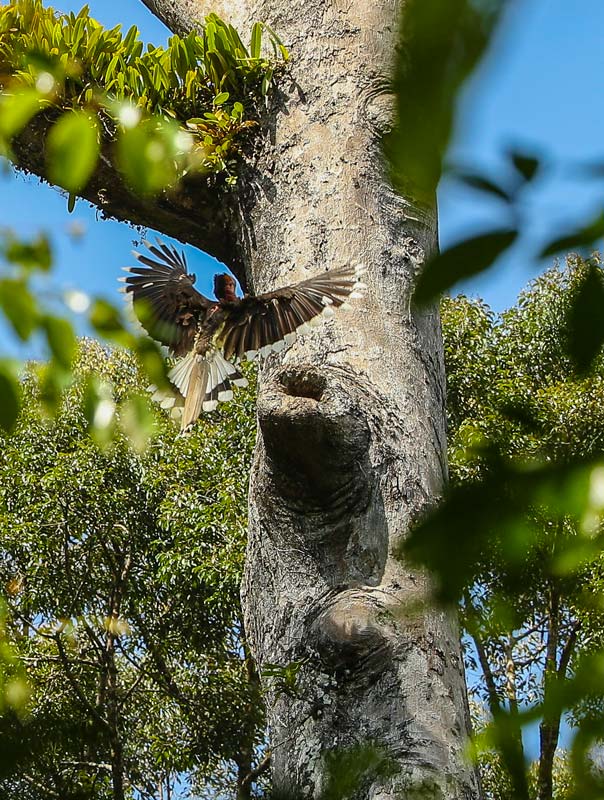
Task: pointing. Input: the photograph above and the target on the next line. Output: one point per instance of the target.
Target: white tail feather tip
(225, 395)
(315, 322)
(209, 405)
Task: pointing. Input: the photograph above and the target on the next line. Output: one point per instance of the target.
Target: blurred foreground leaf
(461, 261)
(72, 150)
(10, 396)
(32, 254)
(441, 43)
(148, 156)
(586, 319)
(582, 238)
(16, 110)
(61, 339)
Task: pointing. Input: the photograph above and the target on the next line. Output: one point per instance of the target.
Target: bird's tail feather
(203, 382)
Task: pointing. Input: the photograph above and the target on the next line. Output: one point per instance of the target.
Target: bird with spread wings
(203, 334)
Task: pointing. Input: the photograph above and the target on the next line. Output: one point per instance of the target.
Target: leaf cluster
(172, 110)
(519, 537)
(121, 574)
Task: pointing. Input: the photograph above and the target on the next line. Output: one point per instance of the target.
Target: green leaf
(256, 40)
(147, 156)
(19, 307)
(136, 419)
(152, 360)
(476, 181)
(10, 397)
(586, 320)
(461, 261)
(221, 98)
(106, 320)
(61, 339)
(441, 42)
(582, 238)
(72, 150)
(16, 110)
(31, 255)
(99, 410)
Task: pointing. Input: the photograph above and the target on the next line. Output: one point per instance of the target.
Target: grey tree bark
(351, 446)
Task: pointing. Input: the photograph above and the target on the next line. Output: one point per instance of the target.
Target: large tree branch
(179, 16)
(195, 211)
(182, 16)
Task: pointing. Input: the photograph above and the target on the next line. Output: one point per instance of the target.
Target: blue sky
(537, 90)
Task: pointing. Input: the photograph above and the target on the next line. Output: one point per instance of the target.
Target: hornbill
(203, 334)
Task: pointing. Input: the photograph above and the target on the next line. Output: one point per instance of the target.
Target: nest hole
(309, 384)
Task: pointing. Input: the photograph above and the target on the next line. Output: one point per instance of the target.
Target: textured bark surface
(352, 442)
(351, 447)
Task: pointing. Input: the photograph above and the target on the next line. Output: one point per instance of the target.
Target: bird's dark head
(224, 287)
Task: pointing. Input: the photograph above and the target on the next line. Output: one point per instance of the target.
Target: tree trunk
(549, 729)
(351, 446)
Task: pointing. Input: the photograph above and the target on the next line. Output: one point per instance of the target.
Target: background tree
(351, 421)
(122, 571)
(515, 396)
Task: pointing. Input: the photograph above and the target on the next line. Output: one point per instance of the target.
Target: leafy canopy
(519, 538)
(120, 573)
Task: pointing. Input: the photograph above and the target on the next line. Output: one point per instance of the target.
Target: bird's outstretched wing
(164, 299)
(258, 324)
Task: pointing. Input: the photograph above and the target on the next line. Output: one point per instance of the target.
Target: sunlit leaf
(148, 156)
(16, 110)
(107, 321)
(72, 150)
(152, 360)
(256, 40)
(53, 379)
(99, 410)
(461, 261)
